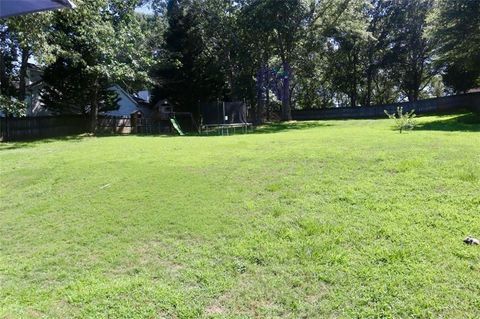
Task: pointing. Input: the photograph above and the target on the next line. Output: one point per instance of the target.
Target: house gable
(126, 104)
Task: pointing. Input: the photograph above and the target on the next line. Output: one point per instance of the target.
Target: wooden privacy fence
(125, 125)
(429, 106)
(30, 128)
(26, 128)
(114, 125)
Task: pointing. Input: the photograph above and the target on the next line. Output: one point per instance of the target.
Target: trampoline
(223, 117)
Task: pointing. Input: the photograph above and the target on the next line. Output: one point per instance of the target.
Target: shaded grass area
(322, 219)
(288, 126)
(33, 143)
(462, 122)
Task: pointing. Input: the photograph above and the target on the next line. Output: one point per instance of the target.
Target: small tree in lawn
(403, 121)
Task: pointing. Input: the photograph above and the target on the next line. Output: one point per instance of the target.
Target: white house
(127, 104)
(34, 85)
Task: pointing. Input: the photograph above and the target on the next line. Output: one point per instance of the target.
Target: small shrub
(403, 121)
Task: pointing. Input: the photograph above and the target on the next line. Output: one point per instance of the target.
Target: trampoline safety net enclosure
(219, 113)
(224, 115)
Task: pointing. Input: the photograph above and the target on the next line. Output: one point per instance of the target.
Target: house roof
(127, 95)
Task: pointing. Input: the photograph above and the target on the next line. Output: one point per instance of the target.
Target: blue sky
(143, 9)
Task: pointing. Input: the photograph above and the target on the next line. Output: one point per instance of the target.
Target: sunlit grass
(313, 220)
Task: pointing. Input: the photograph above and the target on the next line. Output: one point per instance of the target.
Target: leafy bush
(403, 121)
(11, 106)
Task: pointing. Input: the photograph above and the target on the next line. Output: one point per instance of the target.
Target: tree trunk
(267, 103)
(260, 111)
(286, 110)
(354, 93)
(368, 98)
(260, 94)
(231, 72)
(3, 68)
(94, 110)
(22, 85)
(3, 76)
(353, 99)
(413, 94)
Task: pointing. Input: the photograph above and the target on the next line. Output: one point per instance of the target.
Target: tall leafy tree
(189, 69)
(282, 23)
(456, 32)
(377, 55)
(412, 48)
(345, 45)
(388, 59)
(70, 93)
(97, 44)
(19, 41)
(8, 57)
(294, 35)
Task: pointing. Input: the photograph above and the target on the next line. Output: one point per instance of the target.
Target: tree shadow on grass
(464, 123)
(12, 145)
(288, 126)
(35, 142)
(265, 129)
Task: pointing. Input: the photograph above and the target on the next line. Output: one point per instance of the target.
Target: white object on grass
(471, 241)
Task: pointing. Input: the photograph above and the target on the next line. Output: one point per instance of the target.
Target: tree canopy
(277, 55)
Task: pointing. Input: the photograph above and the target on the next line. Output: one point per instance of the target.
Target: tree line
(277, 54)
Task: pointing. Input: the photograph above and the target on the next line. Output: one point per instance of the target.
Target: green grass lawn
(344, 219)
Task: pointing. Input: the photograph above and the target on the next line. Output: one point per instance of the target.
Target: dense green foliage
(278, 55)
(19, 40)
(188, 65)
(98, 44)
(334, 219)
(66, 94)
(85, 51)
(329, 52)
(456, 25)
